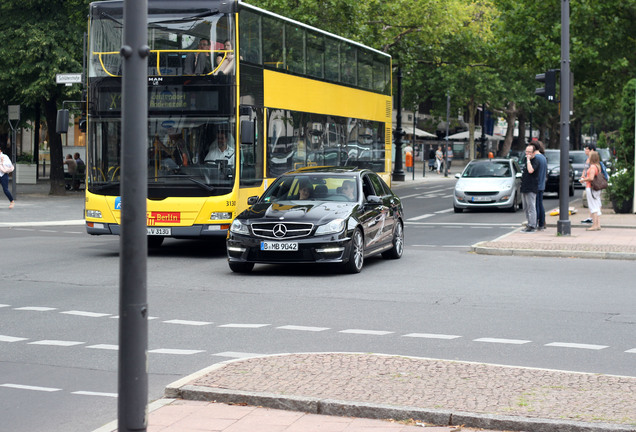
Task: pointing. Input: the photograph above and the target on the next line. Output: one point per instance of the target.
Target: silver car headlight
(335, 226)
(238, 227)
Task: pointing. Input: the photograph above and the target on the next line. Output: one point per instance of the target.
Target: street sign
(14, 112)
(69, 78)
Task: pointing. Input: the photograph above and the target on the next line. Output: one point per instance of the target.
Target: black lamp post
(398, 172)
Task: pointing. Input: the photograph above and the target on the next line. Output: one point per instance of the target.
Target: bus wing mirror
(61, 123)
(247, 132)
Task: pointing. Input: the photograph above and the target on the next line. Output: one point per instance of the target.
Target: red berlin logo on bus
(155, 218)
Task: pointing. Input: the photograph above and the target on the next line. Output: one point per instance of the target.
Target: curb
(554, 253)
(379, 411)
(181, 389)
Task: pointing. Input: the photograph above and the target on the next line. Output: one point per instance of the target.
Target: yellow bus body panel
(284, 91)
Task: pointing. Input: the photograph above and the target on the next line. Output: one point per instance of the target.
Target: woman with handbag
(593, 196)
(5, 168)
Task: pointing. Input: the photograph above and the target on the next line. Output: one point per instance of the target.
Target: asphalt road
(59, 306)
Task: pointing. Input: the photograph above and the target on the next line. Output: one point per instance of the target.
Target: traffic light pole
(564, 225)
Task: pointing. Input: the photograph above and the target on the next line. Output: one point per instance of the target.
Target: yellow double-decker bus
(236, 96)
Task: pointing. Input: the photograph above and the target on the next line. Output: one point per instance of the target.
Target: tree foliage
(40, 39)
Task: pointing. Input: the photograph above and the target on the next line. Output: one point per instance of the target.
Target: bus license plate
(159, 231)
(279, 246)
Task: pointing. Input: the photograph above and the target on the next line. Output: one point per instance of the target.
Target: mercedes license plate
(480, 198)
(159, 231)
(279, 246)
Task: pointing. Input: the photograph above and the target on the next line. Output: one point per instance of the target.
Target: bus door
(251, 151)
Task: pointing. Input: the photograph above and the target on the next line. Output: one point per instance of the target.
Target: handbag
(4, 167)
(599, 182)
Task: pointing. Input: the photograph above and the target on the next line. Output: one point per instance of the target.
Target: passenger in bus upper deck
(199, 63)
(227, 65)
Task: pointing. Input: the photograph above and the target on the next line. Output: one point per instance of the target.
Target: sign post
(14, 117)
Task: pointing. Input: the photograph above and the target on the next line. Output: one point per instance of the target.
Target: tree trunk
(55, 146)
(472, 107)
(511, 116)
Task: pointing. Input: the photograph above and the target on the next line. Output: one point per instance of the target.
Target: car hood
(315, 212)
(484, 184)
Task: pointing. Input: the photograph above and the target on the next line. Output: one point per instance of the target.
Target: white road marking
(35, 308)
(503, 341)
(104, 347)
(409, 196)
(366, 332)
(444, 211)
(4, 338)
(431, 336)
(576, 345)
(190, 323)
(235, 354)
(303, 328)
(244, 325)
(631, 351)
(85, 314)
(175, 351)
(90, 393)
(416, 218)
(26, 387)
(46, 223)
(62, 343)
(4, 305)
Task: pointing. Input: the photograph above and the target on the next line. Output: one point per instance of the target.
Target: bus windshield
(187, 156)
(200, 43)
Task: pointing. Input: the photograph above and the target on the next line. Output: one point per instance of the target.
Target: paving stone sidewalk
(433, 391)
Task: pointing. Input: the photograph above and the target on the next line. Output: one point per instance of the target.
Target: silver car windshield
(487, 169)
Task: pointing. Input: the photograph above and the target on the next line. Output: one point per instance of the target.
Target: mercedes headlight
(335, 226)
(238, 227)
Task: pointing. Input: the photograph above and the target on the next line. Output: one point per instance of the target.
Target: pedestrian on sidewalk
(449, 157)
(593, 196)
(529, 189)
(6, 166)
(431, 159)
(589, 147)
(543, 175)
(439, 160)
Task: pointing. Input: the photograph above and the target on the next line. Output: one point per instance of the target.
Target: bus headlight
(239, 228)
(94, 214)
(220, 216)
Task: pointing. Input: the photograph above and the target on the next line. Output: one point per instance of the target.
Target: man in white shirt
(222, 148)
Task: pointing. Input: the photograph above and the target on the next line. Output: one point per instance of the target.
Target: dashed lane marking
(576, 345)
(175, 351)
(35, 308)
(91, 393)
(236, 354)
(27, 387)
(4, 338)
(366, 332)
(502, 341)
(416, 218)
(244, 325)
(61, 343)
(186, 322)
(104, 347)
(431, 336)
(631, 351)
(85, 314)
(303, 328)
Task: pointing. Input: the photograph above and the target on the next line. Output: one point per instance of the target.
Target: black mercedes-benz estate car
(319, 215)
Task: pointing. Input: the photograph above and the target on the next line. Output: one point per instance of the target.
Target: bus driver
(222, 148)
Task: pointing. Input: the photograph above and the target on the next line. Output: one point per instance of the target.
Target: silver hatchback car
(488, 183)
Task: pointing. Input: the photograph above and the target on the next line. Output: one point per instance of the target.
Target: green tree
(40, 39)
